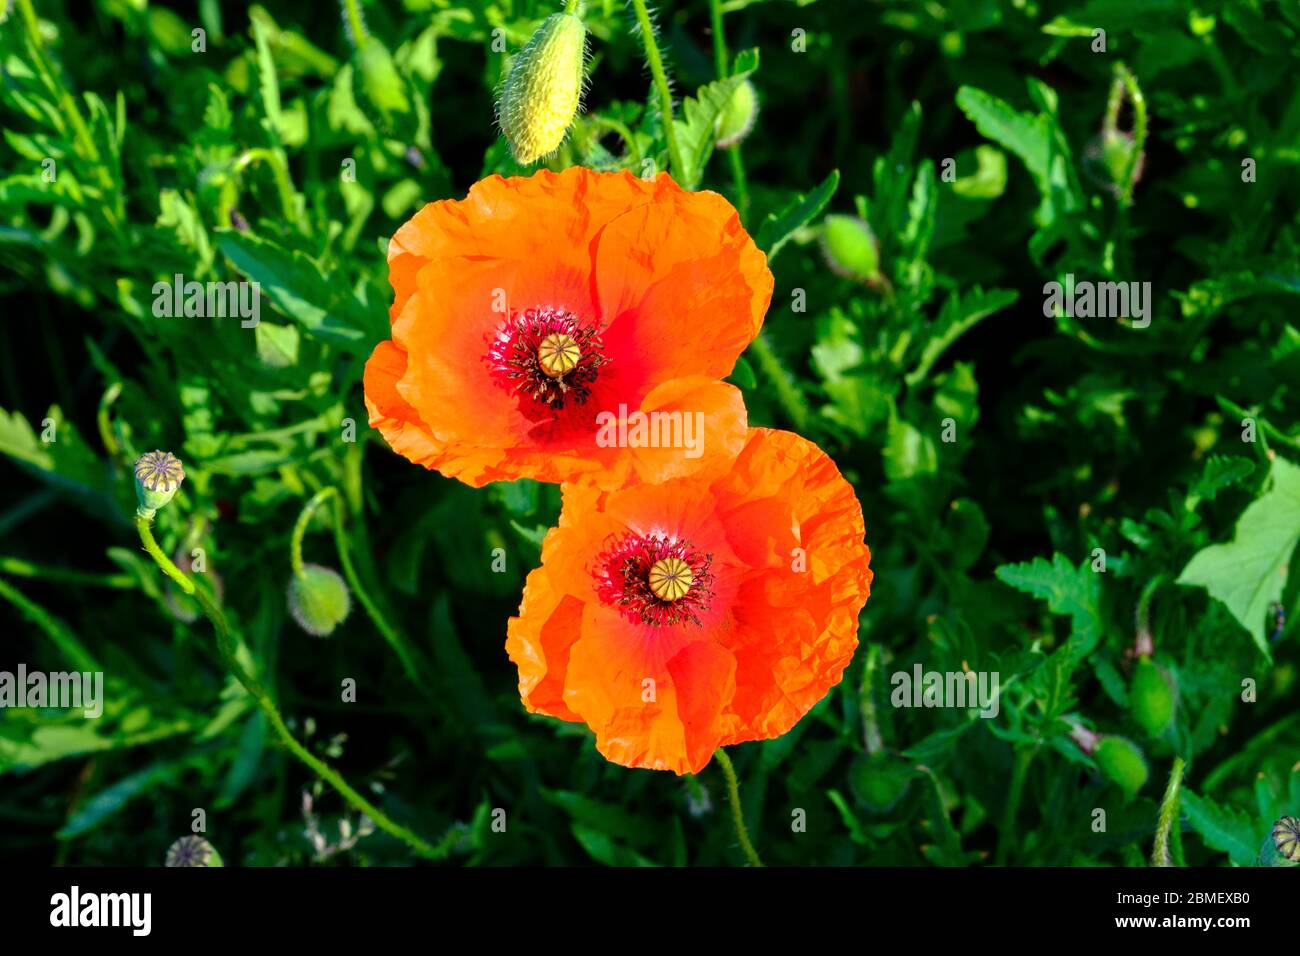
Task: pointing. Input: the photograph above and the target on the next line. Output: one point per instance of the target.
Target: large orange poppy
(525, 311)
(677, 618)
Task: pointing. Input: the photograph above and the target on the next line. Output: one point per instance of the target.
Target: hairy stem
(1162, 853)
(661, 84)
(737, 813)
(228, 648)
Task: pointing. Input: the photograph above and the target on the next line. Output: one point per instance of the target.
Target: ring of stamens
(654, 579)
(548, 355)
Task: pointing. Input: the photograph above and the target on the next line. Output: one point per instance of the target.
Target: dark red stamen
(622, 573)
(514, 363)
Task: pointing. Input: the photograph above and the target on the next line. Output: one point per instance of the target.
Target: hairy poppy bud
(1122, 762)
(318, 600)
(158, 475)
(1282, 845)
(193, 851)
(544, 87)
(850, 247)
(738, 117)
(1151, 697)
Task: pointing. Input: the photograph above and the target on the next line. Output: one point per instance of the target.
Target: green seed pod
(319, 600)
(158, 475)
(193, 851)
(850, 247)
(543, 90)
(1282, 845)
(879, 781)
(737, 119)
(1152, 697)
(1122, 762)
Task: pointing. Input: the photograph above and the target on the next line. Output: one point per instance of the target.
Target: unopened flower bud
(1151, 697)
(1122, 762)
(542, 92)
(850, 247)
(318, 600)
(193, 851)
(158, 475)
(738, 116)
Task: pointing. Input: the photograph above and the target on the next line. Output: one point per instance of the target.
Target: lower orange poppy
(680, 617)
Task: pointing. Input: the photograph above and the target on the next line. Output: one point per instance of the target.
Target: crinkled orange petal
(677, 286)
(791, 575)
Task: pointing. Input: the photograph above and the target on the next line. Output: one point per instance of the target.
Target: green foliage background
(1072, 434)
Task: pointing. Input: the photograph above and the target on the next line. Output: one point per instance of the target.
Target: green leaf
(294, 285)
(778, 227)
(1066, 589)
(1223, 828)
(695, 131)
(1220, 472)
(1248, 574)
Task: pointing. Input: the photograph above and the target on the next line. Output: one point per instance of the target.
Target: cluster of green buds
(543, 89)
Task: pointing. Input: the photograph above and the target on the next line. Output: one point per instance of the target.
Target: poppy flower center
(547, 354)
(654, 579)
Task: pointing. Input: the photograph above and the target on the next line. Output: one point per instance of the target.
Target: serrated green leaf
(1223, 828)
(699, 116)
(1068, 590)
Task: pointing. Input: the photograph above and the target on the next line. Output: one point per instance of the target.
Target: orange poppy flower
(540, 309)
(677, 618)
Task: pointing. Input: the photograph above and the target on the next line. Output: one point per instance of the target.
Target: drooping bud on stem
(543, 90)
(318, 600)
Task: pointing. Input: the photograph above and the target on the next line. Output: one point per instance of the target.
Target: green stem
(1264, 426)
(390, 634)
(1024, 757)
(26, 569)
(227, 646)
(1168, 821)
(1142, 616)
(721, 62)
(356, 25)
(571, 6)
(787, 393)
(661, 83)
(737, 813)
(871, 737)
(279, 167)
(1139, 104)
(300, 528)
